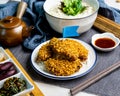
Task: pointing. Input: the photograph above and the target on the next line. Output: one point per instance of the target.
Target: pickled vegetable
(6, 66)
(12, 86)
(7, 69)
(7, 73)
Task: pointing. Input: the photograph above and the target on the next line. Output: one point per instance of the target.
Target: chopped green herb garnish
(72, 7)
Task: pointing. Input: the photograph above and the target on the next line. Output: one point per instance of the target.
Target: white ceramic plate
(86, 68)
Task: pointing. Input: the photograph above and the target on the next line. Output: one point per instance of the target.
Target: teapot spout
(27, 32)
(31, 28)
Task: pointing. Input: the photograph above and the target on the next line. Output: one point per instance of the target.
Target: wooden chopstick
(93, 79)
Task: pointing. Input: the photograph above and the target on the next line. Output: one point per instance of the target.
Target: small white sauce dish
(106, 35)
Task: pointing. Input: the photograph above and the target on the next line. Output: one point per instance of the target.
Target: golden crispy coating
(44, 53)
(53, 41)
(62, 67)
(62, 57)
(83, 52)
(69, 49)
(65, 48)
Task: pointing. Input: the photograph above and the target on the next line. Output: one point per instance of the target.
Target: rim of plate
(74, 76)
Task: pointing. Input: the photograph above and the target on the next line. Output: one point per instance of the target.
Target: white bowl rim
(71, 18)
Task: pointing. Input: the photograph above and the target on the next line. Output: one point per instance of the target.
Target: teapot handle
(21, 9)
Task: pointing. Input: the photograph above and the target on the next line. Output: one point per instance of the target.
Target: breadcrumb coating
(70, 49)
(44, 53)
(62, 57)
(62, 67)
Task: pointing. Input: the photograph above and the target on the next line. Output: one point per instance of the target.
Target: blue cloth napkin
(35, 16)
(109, 12)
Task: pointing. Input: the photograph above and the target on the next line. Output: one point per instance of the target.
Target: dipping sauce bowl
(105, 41)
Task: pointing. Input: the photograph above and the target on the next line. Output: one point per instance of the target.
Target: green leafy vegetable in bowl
(72, 7)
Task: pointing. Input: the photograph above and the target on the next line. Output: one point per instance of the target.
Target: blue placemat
(35, 16)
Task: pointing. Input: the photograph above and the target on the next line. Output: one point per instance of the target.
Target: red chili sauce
(105, 43)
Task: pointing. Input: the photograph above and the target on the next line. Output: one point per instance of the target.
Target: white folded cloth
(112, 3)
(52, 90)
(3, 1)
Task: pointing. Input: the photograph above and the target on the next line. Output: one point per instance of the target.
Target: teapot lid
(10, 22)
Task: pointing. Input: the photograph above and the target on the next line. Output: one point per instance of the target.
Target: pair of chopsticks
(93, 79)
(106, 25)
